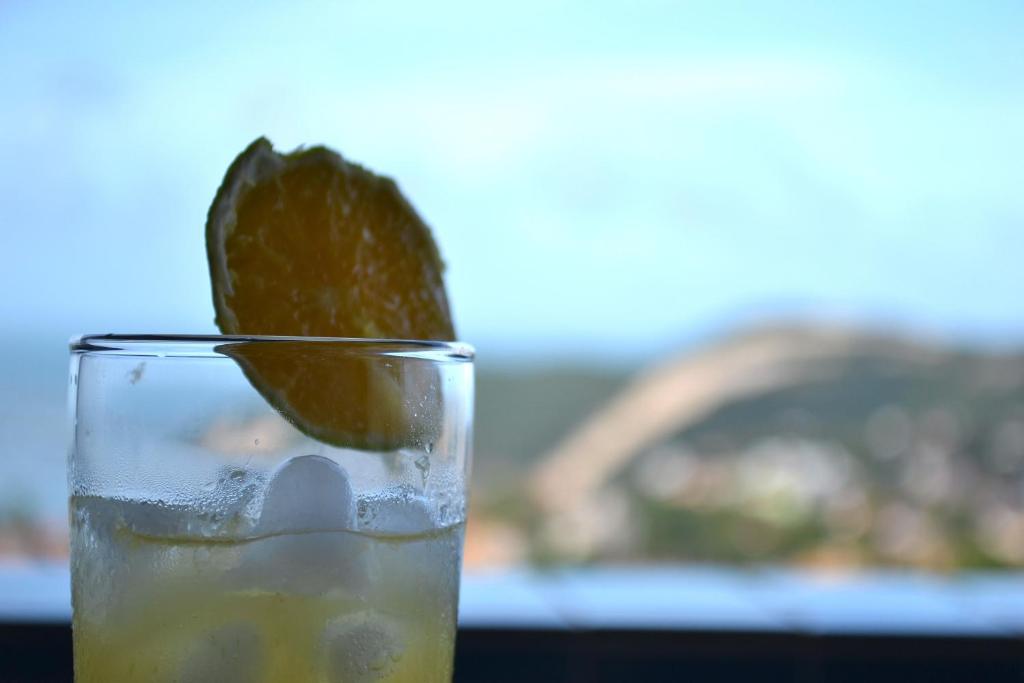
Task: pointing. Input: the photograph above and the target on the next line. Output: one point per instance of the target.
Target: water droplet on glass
(422, 463)
(363, 511)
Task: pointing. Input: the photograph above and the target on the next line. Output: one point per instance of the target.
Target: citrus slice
(308, 244)
(345, 395)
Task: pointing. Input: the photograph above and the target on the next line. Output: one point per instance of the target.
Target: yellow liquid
(323, 607)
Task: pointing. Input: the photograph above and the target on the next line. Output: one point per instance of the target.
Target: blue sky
(612, 177)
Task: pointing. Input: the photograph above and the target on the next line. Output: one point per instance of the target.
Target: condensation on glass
(213, 538)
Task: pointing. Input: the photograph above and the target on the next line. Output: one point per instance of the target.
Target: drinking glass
(267, 509)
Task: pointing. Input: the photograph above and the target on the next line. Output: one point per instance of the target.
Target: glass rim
(205, 345)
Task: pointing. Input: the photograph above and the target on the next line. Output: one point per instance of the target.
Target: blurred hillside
(809, 445)
(804, 445)
(520, 414)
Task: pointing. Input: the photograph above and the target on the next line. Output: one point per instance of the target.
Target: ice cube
(313, 563)
(362, 648)
(229, 505)
(223, 510)
(304, 541)
(153, 518)
(399, 511)
(306, 493)
(229, 654)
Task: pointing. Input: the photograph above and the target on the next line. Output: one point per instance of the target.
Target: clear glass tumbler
(267, 509)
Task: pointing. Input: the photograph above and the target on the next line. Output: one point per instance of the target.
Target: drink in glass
(213, 540)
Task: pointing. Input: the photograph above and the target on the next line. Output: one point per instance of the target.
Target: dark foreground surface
(42, 652)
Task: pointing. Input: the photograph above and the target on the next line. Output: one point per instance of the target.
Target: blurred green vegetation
(899, 455)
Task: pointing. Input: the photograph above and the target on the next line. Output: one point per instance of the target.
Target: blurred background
(745, 280)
